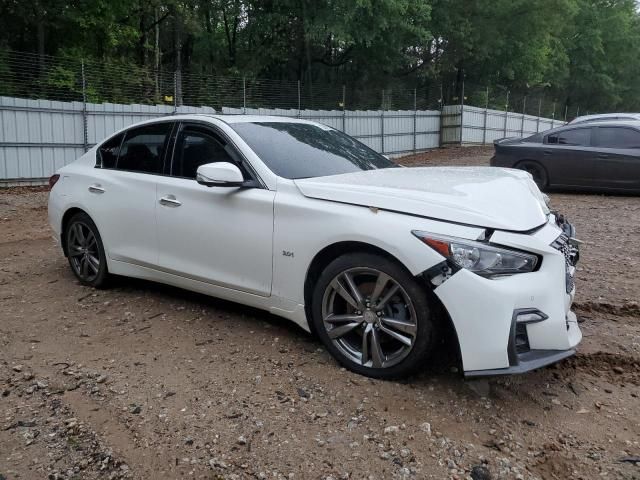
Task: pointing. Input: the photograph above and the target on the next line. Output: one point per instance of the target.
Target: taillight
(53, 179)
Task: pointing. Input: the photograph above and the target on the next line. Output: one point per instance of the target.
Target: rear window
(108, 152)
(143, 148)
(618, 137)
(301, 150)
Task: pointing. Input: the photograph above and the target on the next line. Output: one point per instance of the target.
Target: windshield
(301, 150)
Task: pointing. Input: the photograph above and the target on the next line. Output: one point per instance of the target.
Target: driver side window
(197, 146)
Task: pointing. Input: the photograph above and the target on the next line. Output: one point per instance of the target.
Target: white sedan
(303, 221)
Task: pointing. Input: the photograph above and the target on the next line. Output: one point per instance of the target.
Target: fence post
(382, 124)
(539, 113)
(244, 95)
(566, 109)
(299, 99)
(344, 108)
(415, 118)
(441, 130)
(484, 126)
(524, 109)
(578, 111)
(506, 114)
(175, 92)
(553, 115)
(85, 132)
(462, 110)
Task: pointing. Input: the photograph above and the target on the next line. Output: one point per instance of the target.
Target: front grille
(570, 253)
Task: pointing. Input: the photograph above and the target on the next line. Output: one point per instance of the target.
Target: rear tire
(373, 316)
(537, 171)
(85, 251)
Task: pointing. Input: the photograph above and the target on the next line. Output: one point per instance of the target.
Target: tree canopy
(579, 52)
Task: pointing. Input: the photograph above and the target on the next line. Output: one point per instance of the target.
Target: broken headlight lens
(483, 259)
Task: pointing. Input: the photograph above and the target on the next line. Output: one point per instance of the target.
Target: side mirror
(220, 174)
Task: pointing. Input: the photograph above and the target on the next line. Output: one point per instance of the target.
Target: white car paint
(254, 246)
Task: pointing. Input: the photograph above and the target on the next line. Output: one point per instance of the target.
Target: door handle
(603, 155)
(170, 201)
(96, 188)
(547, 152)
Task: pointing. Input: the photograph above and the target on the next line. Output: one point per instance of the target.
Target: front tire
(85, 251)
(373, 316)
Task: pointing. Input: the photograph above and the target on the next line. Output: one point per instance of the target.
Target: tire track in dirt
(617, 369)
(626, 309)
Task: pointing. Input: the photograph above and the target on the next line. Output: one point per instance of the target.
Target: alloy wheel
(83, 251)
(369, 317)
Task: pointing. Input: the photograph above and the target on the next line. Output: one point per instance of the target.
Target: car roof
(587, 118)
(229, 119)
(607, 123)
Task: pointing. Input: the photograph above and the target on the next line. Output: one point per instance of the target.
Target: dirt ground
(146, 381)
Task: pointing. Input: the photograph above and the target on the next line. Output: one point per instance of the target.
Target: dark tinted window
(144, 147)
(618, 137)
(299, 150)
(577, 136)
(197, 146)
(108, 152)
(537, 138)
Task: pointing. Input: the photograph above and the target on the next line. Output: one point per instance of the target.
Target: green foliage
(576, 52)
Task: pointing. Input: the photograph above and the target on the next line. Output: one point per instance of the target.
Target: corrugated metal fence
(39, 136)
(474, 125)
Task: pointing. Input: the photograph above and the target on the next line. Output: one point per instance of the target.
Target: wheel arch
(445, 326)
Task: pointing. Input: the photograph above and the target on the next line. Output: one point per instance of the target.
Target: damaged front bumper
(521, 322)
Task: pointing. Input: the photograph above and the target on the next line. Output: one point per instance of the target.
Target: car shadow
(227, 308)
(442, 365)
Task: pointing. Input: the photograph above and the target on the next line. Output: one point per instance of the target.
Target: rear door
(122, 195)
(618, 158)
(569, 157)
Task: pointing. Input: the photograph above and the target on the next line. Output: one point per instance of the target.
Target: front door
(218, 235)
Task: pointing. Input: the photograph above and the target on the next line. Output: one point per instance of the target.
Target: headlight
(480, 258)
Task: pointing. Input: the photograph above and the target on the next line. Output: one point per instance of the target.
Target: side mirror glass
(219, 174)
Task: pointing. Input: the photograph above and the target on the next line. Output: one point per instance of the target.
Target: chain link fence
(27, 75)
(538, 102)
(32, 76)
(54, 108)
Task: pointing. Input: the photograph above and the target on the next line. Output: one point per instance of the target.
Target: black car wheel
(85, 251)
(373, 316)
(537, 171)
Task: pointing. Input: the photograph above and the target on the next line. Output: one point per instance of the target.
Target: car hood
(490, 197)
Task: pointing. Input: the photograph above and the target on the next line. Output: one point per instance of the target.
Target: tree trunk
(142, 41)
(41, 45)
(209, 29)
